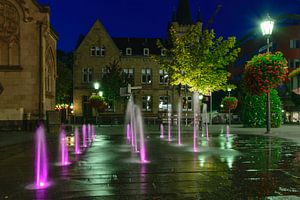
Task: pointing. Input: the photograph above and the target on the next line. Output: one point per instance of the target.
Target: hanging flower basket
(230, 103)
(98, 103)
(264, 72)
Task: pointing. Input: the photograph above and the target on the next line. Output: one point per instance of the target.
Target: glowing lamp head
(267, 26)
(96, 85)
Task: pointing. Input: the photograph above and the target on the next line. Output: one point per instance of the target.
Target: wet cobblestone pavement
(225, 167)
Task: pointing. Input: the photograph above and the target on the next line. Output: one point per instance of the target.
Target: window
(128, 51)
(86, 75)
(146, 52)
(294, 44)
(163, 52)
(164, 103)
(93, 51)
(187, 103)
(146, 76)
(102, 51)
(129, 75)
(163, 77)
(104, 71)
(294, 63)
(147, 103)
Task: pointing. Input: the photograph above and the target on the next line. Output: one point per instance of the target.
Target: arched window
(9, 34)
(49, 71)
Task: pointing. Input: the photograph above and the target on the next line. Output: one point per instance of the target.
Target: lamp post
(267, 28)
(229, 117)
(96, 87)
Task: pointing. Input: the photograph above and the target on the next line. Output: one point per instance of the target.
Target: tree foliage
(198, 59)
(64, 79)
(254, 110)
(112, 81)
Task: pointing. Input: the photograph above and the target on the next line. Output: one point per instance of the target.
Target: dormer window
(128, 51)
(102, 51)
(93, 51)
(163, 52)
(146, 52)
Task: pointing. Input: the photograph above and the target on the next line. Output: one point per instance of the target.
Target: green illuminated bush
(254, 110)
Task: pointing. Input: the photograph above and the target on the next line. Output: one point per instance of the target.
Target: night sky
(149, 18)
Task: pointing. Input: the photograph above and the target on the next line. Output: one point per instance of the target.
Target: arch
(50, 71)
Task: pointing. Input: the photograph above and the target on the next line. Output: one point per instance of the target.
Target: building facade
(27, 62)
(98, 49)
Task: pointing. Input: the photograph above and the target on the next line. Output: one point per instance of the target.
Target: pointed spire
(183, 13)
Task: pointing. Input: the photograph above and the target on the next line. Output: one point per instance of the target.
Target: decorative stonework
(26, 12)
(9, 21)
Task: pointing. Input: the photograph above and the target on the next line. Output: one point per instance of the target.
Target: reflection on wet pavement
(225, 167)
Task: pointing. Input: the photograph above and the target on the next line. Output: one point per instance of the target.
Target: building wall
(26, 31)
(98, 36)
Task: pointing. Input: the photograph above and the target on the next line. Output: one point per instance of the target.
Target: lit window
(163, 77)
(86, 75)
(146, 52)
(147, 103)
(146, 76)
(187, 103)
(129, 75)
(128, 51)
(164, 103)
(294, 44)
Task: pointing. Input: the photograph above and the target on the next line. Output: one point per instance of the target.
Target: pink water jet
(77, 142)
(128, 132)
(93, 133)
(206, 130)
(41, 161)
(63, 149)
(161, 131)
(84, 136)
(227, 131)
(195, 136)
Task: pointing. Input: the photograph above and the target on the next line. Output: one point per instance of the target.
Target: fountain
(205, 120)
(227, 130)
(89, 134)
(93, 133)
(161, 130)
(41, 161)
(179, 121)
(169, 125)
(196, 118)
(63, 148)
(84, 136)
(77, 142)
(134, 123)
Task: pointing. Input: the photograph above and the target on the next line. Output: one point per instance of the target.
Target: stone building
(27, 62)
(98, 49)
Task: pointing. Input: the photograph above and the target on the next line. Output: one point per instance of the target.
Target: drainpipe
(41, 82)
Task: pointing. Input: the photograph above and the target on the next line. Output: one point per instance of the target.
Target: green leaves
(197, 59)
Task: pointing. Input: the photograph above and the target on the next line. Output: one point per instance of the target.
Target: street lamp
(229, 114)
(96, 85)
(267, 28)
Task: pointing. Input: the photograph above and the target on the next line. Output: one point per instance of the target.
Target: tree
(64, 79)
(112, 81)
(198, 59)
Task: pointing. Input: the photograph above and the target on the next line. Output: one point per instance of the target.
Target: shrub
(254, 110)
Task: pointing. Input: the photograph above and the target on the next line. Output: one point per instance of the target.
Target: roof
(183, 14)
(137, 45)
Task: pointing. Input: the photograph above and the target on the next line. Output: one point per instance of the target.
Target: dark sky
(149, 18)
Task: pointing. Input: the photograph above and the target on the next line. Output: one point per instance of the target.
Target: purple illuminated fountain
(63, 149)
(84, 136)
(128, 132)
(196, 118)
(179, 121)
(89, 132)
(169, 126)
(162, 131)
(205, 120)
(77, 142)
(41, 161)
(135, 130)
